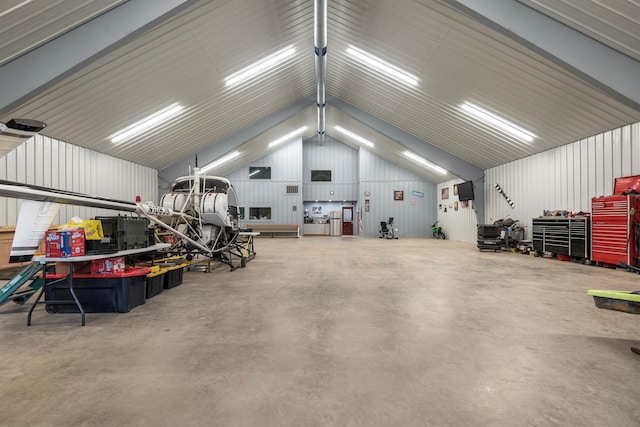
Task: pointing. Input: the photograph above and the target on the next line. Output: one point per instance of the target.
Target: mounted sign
(367, 193)
(417, 194)
(413, 201)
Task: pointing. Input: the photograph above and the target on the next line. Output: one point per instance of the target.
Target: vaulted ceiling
(563, 70)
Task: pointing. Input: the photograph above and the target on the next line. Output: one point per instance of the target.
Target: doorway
(347, 221)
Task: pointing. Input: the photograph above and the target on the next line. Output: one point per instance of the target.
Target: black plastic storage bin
(155, 282)
(174, 274)
(126, 232)
(97, 293)
(486, 244)
(489, 231)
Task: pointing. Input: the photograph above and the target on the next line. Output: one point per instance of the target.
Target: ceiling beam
(611, 71)
(32, 73)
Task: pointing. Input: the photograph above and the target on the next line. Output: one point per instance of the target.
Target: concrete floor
(326, 331)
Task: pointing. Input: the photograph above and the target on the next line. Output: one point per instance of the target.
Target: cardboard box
(113, 265)
(76, 241)
(62, 267)
(57, 244)
(92, 228)
(65, 244)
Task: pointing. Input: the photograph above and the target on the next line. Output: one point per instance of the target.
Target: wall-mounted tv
(465, 191)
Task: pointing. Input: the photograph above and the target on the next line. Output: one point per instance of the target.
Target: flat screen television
(465, 191)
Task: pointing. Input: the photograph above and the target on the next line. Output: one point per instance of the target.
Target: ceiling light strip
(497, 122)
(260, 66)
(379, 65)
(222, 160)
(147, 123)
(425, 162)
(18, 6)
(287, 136)
(354, 136)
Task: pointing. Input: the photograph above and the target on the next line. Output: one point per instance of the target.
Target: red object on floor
(562, 257)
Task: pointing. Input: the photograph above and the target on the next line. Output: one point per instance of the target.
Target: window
(259, 213)
(320, 175)
(241, 210)
(259, 172)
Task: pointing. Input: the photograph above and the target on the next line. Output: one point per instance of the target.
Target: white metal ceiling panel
(27, 24)
(184, 60)
(613, 23)
(457, 60)
(454, 57)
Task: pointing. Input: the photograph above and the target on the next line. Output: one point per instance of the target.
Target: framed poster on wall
(445, 193)
(398, 195)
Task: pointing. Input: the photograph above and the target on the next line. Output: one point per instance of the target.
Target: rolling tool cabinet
(615, 232)
(563, 236)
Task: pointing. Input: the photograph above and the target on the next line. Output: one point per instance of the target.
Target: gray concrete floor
(326, 331)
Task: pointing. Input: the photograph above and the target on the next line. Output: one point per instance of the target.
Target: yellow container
(92, 228)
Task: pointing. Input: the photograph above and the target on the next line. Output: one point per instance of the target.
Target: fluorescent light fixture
(354, 136)
(425, 162)
(497, 122)
(287, 136)
(18, 6)
(147, 123)
(255, 172)
(220, 161)
(260, 66)
(382, 66)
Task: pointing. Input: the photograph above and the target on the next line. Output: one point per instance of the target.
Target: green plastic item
(622, 295)
(625, 301)
(8, 291)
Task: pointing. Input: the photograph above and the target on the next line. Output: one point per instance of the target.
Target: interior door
(347, 221)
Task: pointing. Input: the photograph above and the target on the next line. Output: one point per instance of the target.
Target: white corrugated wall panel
(379, 178)
(333, 155)
(461, 224)
(52, 163)
(564, 178)
(286, 169)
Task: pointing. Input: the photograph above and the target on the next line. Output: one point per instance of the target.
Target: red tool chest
(615, 225)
